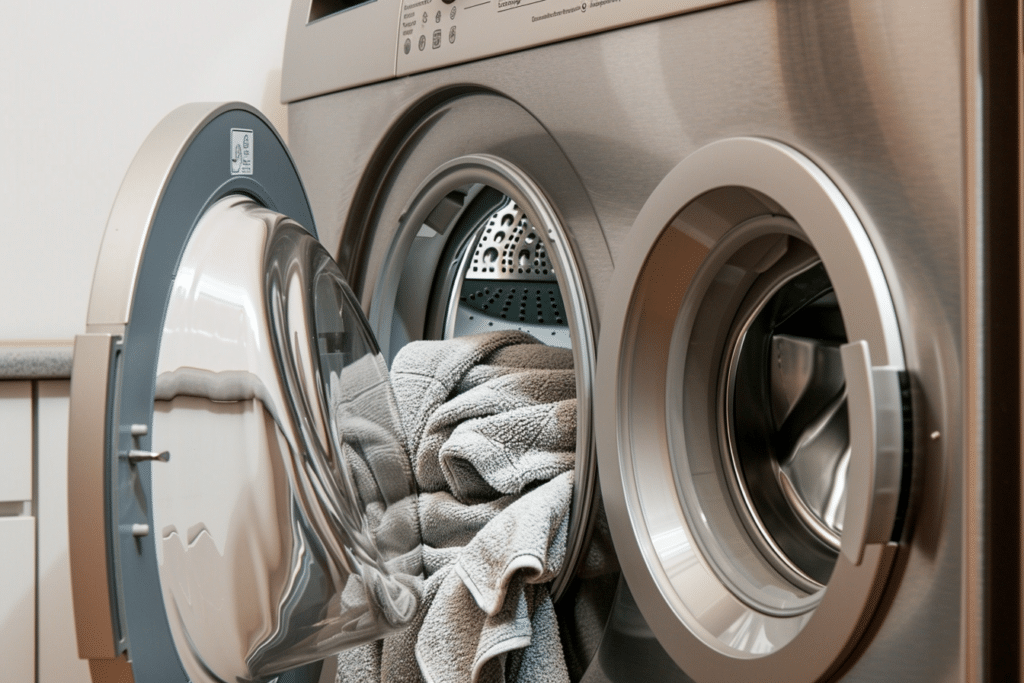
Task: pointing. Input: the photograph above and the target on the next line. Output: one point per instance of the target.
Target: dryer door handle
(88, 444)
(875, 409)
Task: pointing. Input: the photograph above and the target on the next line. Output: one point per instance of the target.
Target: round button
(408, 45)
(423, 42)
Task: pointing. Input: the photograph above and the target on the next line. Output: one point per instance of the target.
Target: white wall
(81, 85)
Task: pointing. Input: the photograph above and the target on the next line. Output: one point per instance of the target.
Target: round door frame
(182, 168)
(629, 458)
(444, 147)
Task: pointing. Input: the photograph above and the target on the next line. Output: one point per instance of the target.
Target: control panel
(437, 33)
(337, 44)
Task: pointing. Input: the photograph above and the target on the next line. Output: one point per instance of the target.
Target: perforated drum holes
(508, 248)
(535, 305)
(506, 279)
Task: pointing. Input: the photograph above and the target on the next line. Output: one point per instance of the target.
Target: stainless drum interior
(481, 249)
(783, 418)
(503, 278)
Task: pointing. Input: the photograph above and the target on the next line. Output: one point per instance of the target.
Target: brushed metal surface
(972, 469)
(871, 91)
(485, 28)
(876, 445)
(374, 41)
(669, 302)
(359, 44)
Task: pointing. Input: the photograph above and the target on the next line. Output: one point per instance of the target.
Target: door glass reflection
(286, 516)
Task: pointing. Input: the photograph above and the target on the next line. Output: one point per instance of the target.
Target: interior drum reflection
(286, 517)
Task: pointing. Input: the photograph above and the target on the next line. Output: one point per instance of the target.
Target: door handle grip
(87, 510)
(136, 456)
(875, 410)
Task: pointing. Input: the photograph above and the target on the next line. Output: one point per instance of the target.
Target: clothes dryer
(873, 114)
(775, 237)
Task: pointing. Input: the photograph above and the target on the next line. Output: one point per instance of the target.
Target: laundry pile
(490, 428)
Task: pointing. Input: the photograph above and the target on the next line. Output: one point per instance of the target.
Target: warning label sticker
(241, 151)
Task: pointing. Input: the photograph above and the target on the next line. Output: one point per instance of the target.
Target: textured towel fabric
(527, 539)
(495, 599)
(513, 448)
(490, 427)
(441, 385)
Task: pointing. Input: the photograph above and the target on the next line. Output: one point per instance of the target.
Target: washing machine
(781, 239)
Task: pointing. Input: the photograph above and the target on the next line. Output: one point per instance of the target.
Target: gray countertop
(29, 359)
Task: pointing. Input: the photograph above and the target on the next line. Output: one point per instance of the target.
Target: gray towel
(493, 605)
(432, 381)
(490, 426)
(508, 451)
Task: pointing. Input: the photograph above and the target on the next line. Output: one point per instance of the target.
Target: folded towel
(490, 427)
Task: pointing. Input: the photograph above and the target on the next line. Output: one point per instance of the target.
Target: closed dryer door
(753, 417)
(241, 503)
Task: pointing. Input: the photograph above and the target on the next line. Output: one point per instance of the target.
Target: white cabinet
(17, 534)
(58, 653)
(18, 598)
(37, 627)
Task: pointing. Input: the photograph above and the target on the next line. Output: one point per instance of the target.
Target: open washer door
(753, 416)
(241, 504)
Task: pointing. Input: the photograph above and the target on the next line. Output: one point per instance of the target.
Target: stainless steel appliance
(782, 240)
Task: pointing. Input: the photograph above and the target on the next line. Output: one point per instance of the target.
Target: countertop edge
(33, 360)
